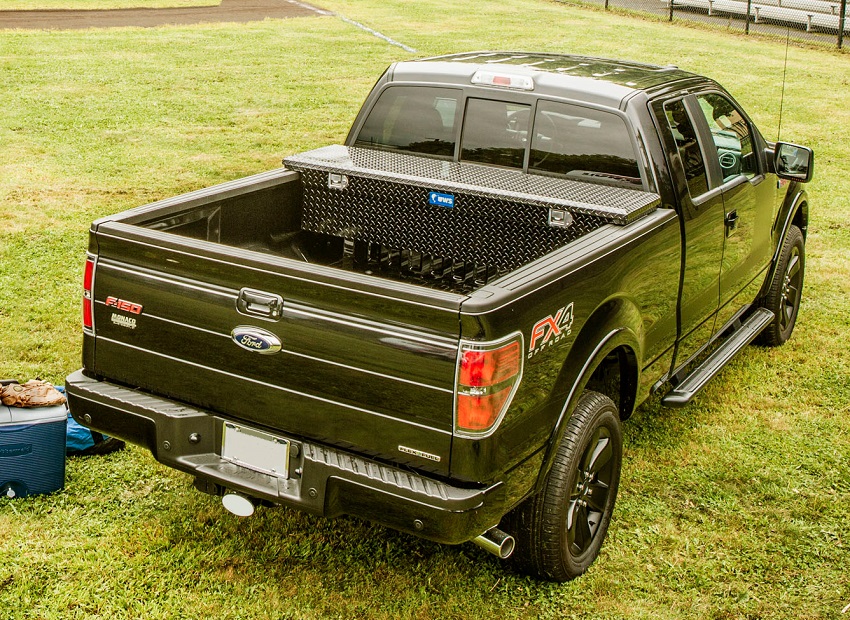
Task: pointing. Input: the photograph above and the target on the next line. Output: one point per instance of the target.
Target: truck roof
(599, 80)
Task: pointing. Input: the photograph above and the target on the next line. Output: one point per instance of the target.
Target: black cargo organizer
(458, 224)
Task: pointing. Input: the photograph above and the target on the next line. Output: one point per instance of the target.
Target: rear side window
(583, 143)
(413, 119)
(687, 146)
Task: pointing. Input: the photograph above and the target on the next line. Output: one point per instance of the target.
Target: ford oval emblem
(255, 339)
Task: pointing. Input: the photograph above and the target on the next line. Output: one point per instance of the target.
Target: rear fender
(614, 326)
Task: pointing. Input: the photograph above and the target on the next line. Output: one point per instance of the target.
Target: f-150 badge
(123, 305)
(546, 332)
(122, 320)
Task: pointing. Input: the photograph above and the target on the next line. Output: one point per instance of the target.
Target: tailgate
(363, 363)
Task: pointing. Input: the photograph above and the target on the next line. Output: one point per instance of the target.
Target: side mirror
(793, 162)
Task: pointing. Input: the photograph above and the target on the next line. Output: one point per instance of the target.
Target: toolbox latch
(560, 218)
(337, 181)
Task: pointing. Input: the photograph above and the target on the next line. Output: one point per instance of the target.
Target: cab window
(495, 132)
(583, 143)
(687, 147)
(413, 119)
(732, 137)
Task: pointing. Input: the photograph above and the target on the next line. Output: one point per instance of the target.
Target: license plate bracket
(256, 450)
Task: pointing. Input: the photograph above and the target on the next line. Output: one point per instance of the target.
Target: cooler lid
(32, 415)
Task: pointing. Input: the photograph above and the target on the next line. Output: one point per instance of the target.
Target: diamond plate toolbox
(463, 211)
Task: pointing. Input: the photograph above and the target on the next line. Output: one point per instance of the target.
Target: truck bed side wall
(617, 279)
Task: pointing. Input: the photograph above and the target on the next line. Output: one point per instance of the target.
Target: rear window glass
(413, 119)
(584, 144)
(495, 132)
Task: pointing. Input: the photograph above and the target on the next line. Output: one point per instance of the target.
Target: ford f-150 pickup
(439, 325)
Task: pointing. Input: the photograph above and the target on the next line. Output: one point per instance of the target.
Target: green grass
(33, 5)
(734, 507)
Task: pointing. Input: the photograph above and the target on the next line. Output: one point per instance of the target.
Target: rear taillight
(88, 280)
(487, 376)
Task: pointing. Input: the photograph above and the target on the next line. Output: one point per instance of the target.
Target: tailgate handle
(258, 303)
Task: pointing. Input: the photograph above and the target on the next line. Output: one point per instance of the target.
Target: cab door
(734, 153)
(702, 212)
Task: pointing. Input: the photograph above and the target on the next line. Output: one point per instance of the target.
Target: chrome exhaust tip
(238, 504)
(496, 542)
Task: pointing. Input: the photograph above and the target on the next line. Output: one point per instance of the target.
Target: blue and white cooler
(32, 450)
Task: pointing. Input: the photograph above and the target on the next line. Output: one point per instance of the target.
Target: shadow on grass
(347, 566)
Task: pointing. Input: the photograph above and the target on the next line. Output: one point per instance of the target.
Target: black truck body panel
(349, 356)
(332, 307)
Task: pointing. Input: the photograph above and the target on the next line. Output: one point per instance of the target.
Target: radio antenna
(784, 73)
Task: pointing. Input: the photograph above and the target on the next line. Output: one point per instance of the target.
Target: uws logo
(442, 200)
(551, 330)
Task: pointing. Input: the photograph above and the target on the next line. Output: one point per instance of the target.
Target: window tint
(732, 136)
(495, 132)
(687, 147)
(583, 143)
(414, 119)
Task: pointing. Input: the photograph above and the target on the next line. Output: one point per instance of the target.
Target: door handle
(258, 303)
(731, 222)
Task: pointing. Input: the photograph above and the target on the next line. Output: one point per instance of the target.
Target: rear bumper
(322, 480)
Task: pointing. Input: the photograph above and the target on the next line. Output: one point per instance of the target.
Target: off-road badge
(551, 330)
(419, 453)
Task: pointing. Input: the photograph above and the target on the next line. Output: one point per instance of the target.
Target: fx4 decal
(550, 330)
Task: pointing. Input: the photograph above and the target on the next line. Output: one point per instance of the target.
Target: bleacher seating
(810, 14)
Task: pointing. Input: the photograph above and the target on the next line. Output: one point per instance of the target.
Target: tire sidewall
(585, 420)
(775, 335)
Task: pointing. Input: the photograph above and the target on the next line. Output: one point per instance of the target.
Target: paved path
(227, 11)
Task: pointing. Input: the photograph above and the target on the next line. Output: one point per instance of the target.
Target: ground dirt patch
(227, 11)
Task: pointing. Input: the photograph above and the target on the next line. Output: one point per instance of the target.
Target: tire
(560, 530)
(786, 290)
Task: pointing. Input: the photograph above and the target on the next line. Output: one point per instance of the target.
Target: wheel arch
(795, 212)
(604, 357)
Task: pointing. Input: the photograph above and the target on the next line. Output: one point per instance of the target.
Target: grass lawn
(735, 507)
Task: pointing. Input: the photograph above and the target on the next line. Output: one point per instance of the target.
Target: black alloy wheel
(591, 491)
(560, 530)
(786, 290)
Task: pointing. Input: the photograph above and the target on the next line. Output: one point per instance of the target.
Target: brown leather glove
(33, 393)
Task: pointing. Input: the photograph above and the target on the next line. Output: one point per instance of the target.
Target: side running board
(697, 379)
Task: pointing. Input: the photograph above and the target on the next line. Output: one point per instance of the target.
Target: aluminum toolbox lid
(18, 416)
(614, 204)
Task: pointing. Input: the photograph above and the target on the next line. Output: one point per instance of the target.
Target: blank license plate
(255, 450)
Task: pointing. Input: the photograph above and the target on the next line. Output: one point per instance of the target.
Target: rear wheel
(559, 531)
(786, 290)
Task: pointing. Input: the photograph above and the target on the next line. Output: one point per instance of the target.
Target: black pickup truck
(440, 325)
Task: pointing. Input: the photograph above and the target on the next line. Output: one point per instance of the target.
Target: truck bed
(375, 355)
(379, 213)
